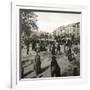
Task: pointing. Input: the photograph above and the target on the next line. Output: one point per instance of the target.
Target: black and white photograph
(49, 43)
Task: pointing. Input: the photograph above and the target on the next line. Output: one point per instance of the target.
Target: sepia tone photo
(49, 43)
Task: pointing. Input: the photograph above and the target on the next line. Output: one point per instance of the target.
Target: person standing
(53, 49)
(55, 69)
(58, 48)
(37, 64)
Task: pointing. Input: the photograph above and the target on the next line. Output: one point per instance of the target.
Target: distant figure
(58, 48)
(55, 69)
(69, 51)
(53, 50)
(37, 64)
(37, 47)
(69, 54)
(34, 45)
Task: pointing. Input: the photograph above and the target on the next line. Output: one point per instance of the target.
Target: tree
(28, 21)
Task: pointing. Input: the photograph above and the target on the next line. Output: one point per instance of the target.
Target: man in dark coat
(55, 69)
(37, 65)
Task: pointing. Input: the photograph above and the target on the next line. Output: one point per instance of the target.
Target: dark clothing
(33, 46)
(37, 64)
(69, 55)
(53, 50)
(55, 69)
(58, 47)
(69, 51)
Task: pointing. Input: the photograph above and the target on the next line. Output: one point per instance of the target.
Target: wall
(5, 44)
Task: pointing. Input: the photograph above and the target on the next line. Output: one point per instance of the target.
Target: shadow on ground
(43, 69)
(28, 73)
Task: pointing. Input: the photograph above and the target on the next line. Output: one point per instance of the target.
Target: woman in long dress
(55, 69)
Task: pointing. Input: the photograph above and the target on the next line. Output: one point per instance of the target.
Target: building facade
(70, 29)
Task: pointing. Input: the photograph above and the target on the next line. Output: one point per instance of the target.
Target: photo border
(15, 46)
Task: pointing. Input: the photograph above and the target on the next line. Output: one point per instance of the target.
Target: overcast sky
(48, 21)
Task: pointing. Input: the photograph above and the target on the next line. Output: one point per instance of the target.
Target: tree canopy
(28, 21)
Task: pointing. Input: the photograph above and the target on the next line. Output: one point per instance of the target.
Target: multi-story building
(70, 29)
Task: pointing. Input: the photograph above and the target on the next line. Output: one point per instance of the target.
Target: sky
(48, 21)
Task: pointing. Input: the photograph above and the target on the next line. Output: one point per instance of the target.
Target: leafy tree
(28, 21)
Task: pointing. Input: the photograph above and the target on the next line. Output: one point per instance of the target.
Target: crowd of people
(54, 48)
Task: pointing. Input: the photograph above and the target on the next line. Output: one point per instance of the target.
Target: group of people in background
(54, 48)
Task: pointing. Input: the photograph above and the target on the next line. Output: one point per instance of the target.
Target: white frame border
(15, 82)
